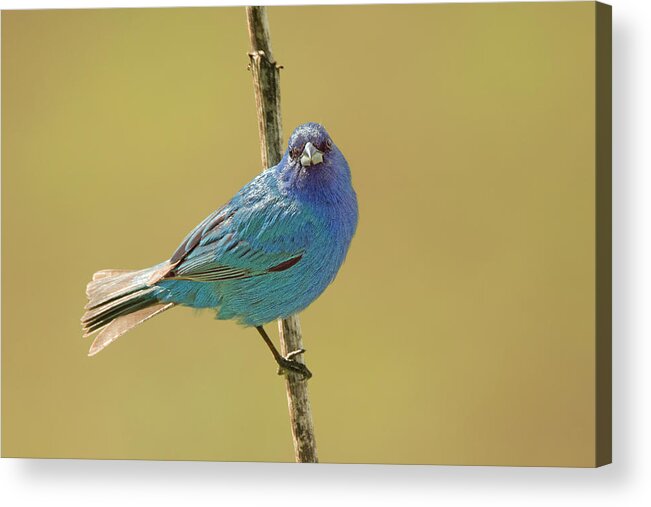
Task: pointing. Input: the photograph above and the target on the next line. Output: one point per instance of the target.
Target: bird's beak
(311, 155)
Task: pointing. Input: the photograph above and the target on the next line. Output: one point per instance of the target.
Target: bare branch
(266, 82)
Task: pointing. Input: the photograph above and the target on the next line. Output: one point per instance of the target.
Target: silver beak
(311, 155)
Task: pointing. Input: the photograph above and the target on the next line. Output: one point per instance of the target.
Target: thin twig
(266, 81)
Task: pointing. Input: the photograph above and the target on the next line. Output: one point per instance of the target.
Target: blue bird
(267, 254)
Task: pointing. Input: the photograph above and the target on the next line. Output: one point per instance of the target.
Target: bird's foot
(288, 365)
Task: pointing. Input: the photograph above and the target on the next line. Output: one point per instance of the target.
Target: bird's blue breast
(263, 230)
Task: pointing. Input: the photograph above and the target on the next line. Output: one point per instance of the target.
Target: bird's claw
(288, 365)
(294, 353)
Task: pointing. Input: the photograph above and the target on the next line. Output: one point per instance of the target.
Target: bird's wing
(242, 240)
(210, 223)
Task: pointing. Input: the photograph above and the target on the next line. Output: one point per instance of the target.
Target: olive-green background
(460, 329)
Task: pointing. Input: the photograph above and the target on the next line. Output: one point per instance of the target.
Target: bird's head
(309, 145)
(313, 168)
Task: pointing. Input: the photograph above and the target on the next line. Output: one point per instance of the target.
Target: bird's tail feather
(119, 300)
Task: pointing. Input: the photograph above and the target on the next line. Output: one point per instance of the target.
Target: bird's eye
(328, 143)
(295, 153)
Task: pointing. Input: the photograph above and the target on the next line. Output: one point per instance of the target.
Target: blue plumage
(266, 254)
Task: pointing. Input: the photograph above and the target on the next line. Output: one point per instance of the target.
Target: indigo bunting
(267, 254)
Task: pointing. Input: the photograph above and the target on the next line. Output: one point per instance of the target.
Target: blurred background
(460, 330)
